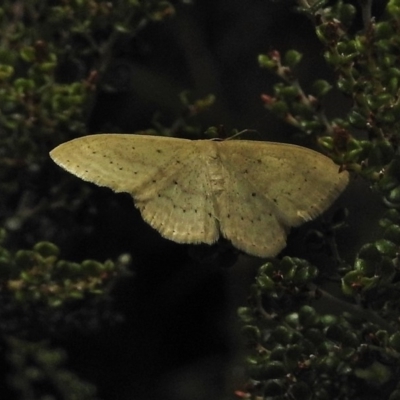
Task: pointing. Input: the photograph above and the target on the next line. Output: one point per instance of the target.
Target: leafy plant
(297, 351)
(54, 59)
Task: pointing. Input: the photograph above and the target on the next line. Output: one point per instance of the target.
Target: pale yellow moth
(250, 192)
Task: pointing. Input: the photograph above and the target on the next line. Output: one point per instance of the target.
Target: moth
(249, 192)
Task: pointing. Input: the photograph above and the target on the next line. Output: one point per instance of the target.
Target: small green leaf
(268, 62)
(321, 87)
(251, 333)
(308, 316)
(278, 353)
(387, 247)
(46, 249)
(265, 283)
(6, 71)
(28, 53)
(292, 58)
(273, 370)
(376, 373)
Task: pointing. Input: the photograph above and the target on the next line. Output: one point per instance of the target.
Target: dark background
(180, 338)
